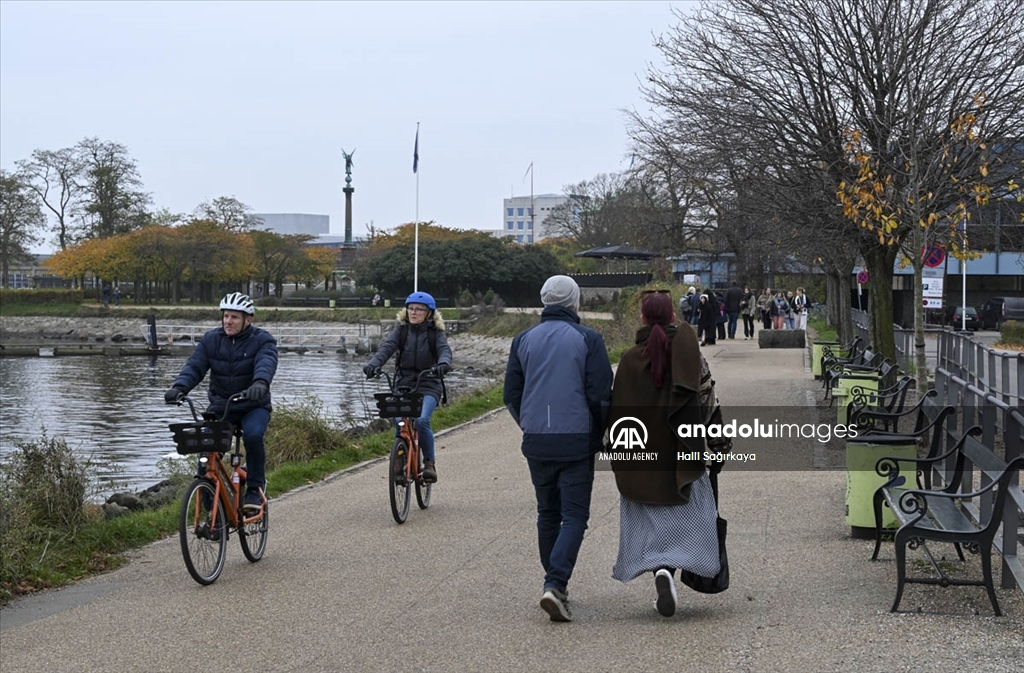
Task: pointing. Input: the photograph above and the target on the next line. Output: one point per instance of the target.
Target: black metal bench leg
(877, 502)
(901, 569)
(959, 551)
(986, 569)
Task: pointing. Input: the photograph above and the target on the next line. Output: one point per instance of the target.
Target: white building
(295, 223)
(523, 216)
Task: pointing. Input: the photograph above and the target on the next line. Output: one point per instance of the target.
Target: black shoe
(429, 472)
(666, 587)
(252, 502)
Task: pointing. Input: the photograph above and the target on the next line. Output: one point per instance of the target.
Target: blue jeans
(733, 320)
(424, 433)
(254, 425)
(563, 509)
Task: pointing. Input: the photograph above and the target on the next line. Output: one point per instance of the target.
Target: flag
(416, 150)
(528, 171)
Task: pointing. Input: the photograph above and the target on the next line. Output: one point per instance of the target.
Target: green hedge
(56, 296)
(1011, 332)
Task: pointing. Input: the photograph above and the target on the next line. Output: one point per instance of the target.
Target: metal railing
(333, 336)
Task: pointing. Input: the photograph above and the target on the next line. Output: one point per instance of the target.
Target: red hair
(656, 310)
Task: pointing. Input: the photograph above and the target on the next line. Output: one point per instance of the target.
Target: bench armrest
(916, 499)
(889, 466)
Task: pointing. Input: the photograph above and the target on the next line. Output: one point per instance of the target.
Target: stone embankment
(487, 354)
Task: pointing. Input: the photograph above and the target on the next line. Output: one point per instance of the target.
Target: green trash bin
(816, 352)
(862, 454)
(331, 303)
(387, 303)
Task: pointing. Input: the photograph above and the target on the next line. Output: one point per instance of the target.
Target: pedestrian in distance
(764, 307)
(117, 296)
(240, 358)
(557, 388)
(790, 317)
(707, 328)
(686, 305)
(733, 298)
(106, 296)
(778, 310)
(422, 344)
(748, 309)
(801, 304)
(667, 509)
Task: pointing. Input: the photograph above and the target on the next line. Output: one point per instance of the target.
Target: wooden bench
(943, 516)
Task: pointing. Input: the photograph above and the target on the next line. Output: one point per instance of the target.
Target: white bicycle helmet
(236, 301)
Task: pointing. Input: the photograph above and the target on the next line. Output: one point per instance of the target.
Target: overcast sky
(256, 99)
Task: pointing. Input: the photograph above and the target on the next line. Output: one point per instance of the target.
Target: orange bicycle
(404, 465)
(211, 507)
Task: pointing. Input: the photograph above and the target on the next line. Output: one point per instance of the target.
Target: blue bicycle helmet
(421, 298)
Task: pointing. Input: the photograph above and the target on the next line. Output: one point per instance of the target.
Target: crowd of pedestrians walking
(716, 313)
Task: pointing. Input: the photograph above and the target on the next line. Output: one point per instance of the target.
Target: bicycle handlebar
(429, 373)
(238, 397)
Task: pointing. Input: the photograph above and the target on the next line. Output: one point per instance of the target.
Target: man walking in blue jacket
(558, 387)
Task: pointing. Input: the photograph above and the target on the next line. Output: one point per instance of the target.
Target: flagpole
(416, 242)
(533, 234)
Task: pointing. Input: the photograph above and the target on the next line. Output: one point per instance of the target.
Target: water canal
(112, 410)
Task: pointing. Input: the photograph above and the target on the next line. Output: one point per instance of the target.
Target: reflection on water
(112, 408)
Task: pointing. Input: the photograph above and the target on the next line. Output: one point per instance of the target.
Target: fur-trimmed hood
(403, 316)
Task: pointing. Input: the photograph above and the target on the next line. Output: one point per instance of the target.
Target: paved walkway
(343, 588)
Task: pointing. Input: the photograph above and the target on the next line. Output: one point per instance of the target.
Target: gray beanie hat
(560, 291)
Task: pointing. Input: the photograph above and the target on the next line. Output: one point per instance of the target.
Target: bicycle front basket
(390, 405)
(203, 438)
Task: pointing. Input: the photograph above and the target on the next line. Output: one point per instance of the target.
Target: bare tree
(791, 79)
(20, 220)
(228, 212)
(54, 176)
(113, 200)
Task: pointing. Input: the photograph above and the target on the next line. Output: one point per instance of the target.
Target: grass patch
(50, 538)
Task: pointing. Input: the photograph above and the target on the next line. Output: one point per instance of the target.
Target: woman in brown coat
(667, 510)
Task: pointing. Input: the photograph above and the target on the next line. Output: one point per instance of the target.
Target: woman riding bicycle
(421, 343)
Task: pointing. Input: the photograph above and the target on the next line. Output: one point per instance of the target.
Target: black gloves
(173, 395)
(442, 368)
(257, 391)
(370, 370)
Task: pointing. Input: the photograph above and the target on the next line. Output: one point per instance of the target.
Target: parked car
(1000, 309)
(956, 319)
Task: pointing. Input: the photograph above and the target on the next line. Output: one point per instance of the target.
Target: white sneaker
(555, 603)
(666, 586)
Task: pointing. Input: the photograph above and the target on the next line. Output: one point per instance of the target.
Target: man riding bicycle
(241, 359)
(421, 343)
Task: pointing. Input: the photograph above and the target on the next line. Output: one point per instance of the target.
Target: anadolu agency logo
(628, 434)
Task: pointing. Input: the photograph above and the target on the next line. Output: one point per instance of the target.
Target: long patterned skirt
(669, 536)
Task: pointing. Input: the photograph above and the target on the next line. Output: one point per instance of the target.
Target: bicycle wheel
(203, 537)
(398, 481)
(253, 536)
(422, 488)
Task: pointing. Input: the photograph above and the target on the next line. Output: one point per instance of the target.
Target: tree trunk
(878, 260)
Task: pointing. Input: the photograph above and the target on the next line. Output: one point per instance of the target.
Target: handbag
(720, 582)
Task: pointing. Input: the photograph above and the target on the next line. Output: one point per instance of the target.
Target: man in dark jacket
(733, 297)
(558, 388)
(241, 359)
